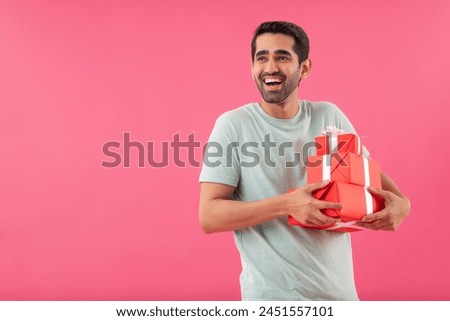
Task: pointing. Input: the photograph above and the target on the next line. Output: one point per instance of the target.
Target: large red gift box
(356, 202)
(344, 167)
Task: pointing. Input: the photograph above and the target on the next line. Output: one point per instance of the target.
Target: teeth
(272, 80)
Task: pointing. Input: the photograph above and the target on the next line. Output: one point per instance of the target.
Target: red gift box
(344, 167)
(335, 140)
(356, 202)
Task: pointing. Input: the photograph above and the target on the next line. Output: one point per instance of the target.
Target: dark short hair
(301, 41)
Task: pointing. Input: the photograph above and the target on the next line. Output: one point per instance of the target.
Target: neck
(284, 110)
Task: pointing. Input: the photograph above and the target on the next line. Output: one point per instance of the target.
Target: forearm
(229, 215)
(388, 184)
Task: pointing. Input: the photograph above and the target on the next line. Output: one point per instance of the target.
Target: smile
(272, 81)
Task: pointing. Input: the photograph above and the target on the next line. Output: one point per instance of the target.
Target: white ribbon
(367, 195)
(333, 130)
(344, 225)
(326, 167)
(359, 145)
(333, 144)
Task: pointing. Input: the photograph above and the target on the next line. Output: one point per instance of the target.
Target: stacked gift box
(340, 159)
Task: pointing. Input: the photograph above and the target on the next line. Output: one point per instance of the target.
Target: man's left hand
(395, 210)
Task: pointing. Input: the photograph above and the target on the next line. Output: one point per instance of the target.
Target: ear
(305, 68)
(251, 70)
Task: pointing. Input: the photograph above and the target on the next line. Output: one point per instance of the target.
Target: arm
(219, 213)
(388, 184)
(397, 207)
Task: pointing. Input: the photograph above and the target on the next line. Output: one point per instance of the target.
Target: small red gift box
(356, 201)
(335, 140)
(344, 167)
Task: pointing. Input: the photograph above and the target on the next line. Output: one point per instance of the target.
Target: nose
(271, 66)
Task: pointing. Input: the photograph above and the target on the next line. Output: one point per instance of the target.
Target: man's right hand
(305, 208)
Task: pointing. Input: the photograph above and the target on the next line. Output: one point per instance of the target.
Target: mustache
(275, 74)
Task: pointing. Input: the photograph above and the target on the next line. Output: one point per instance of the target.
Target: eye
(261, 58)
(283, 58)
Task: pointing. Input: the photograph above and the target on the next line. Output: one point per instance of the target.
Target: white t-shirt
(262, 156)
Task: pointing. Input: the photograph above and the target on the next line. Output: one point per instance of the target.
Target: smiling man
(279, 261)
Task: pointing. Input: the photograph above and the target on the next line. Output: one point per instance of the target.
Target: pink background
(76, 74)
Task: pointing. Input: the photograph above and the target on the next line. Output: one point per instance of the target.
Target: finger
(380, 192)
(369, 226)
(323, 204)
(315, 186)
(374, 217)
(375, 226)
(322, 219)
(317, 218)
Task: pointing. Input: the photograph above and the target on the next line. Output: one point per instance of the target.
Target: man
(255, 149)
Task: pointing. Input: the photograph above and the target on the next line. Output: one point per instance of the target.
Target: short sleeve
(221, 157)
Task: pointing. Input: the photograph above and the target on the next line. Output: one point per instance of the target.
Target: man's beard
(278, 96)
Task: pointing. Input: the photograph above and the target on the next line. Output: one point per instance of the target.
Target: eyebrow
(278, 52)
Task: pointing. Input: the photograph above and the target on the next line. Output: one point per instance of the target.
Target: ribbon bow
(333, 131)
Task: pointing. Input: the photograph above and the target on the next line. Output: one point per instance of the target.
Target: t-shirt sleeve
(345, 124)
(221, 157)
